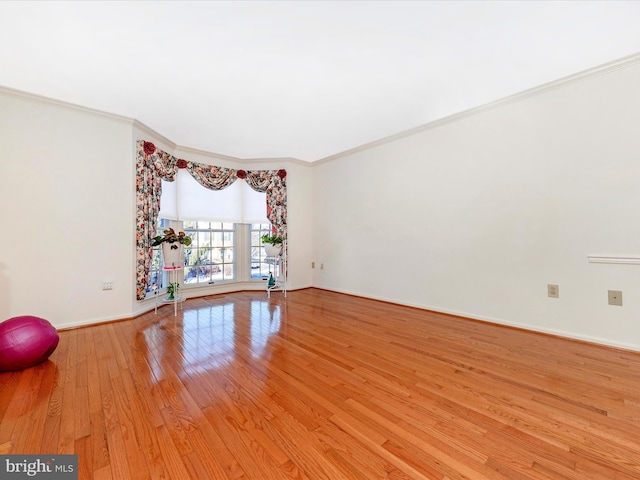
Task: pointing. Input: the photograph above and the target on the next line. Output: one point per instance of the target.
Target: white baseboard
(497, 321)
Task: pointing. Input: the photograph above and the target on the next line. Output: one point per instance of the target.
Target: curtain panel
(154, 165)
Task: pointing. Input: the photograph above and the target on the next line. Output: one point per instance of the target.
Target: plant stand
(176, 298)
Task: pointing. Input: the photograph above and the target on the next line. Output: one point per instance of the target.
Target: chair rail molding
(626, 259)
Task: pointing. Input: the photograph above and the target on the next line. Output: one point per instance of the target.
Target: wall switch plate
(615, 297)
(322, 266)
(553, 291)
(313, 264)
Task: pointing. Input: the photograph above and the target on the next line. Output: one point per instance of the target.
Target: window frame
(225, 263)
(256, 231)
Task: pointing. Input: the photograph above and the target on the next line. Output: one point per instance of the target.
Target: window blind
(186, 199)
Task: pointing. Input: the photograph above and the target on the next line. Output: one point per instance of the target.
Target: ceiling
(306, 79)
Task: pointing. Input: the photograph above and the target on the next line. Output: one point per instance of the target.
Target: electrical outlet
(553, 291)
(107, 285)
(615, 297)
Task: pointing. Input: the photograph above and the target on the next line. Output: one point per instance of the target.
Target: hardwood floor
(325, 386)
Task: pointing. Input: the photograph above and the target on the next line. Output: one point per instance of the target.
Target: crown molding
(32, 97)
(296, 161)
(604, 69)
(59, 103)
(150, 131)
(219, 156)
(197, 151)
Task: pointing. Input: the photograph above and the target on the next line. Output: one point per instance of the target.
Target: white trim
(626, 260)
(150, 131)
(94, 321)
(495, 321)
(277, 161)
(59, 103)
(221, 156)
(148, 304)
(584, 75)
(545, 87)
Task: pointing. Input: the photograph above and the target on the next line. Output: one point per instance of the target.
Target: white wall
(67, 191)
(476, 216)
(66, 194)
(473, 217)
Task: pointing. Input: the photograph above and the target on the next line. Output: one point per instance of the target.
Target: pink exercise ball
(26, 341)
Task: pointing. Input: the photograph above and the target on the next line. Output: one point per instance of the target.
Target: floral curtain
(154, 165)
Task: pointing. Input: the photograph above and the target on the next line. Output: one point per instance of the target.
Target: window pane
(157, 276)
(204, 239)
(259, 268)
(228, 272)
(190, 275)
(211, 255)
(217, 239)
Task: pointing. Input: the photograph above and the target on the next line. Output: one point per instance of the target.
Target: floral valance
(154, 165)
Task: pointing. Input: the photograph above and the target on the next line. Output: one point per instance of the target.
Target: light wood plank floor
(325, 386)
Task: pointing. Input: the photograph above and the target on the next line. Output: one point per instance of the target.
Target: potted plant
(172, 290)
(272, 244)
(172, 247)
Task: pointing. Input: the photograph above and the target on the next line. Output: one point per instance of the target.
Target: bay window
(223, 210)
(220, 252)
